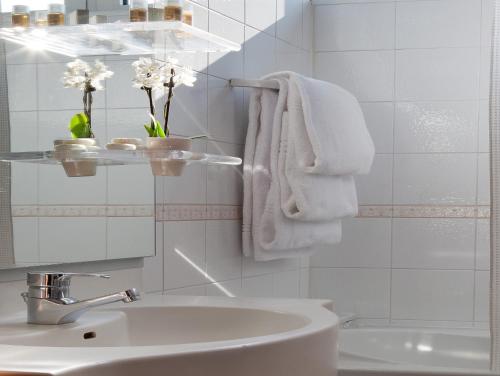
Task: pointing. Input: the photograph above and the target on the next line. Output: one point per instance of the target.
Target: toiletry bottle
(187, 13)
(138, 10)
(20, 16)
(156, 10)
(55, 15)
(173, 10)
(39, 18)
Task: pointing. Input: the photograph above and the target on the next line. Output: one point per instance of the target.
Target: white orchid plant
(87, 78)
(151, 75)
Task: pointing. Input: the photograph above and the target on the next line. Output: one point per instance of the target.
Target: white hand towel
(311, 197)
(267, 233)
(333, 138)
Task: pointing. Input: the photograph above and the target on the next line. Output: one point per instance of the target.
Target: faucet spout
(49, 301)
(78, 308)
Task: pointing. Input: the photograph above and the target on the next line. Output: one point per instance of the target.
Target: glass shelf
(120, 157)
(119, 38)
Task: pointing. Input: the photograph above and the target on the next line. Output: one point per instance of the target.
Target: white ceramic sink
(184, 335)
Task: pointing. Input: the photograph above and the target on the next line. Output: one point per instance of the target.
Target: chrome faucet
(49, 302)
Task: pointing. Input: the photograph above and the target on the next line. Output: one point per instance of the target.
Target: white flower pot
(66, 151)
(162, 166)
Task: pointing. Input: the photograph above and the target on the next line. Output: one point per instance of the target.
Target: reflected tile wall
(420, 69)
(201, 216)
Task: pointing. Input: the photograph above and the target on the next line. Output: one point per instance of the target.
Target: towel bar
(261, 84)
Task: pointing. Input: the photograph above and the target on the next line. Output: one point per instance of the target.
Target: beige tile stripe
(423, 211)
(188, 212)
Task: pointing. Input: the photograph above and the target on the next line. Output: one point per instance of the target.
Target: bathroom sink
(187, 335)
(158, 326)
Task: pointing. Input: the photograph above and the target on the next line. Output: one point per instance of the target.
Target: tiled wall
(199, 232)
(419, 250)
(198, 228)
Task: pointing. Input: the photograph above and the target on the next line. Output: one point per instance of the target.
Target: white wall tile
(484, 84)
(72, 236)
(287, 284)
(435, 179)
(130, 237)
(432, 295)
(230, 288)
(307, 25)
(130, 185)
(152, 276)
(425, 243)
(191, 186)
(289, 21)
(445, 23)
(437, 74)
(188, 116)
(225, 112)
(223, 249)
(369, 75)
(483, 176)
(484, 127)
(188, 291)
(436, 127)
(376, 187)
(231, 8)
(184, 254)
(379, 119)
(366, 243)
(225, 183)
(226, 64)
(361, 291)
(25, 232)
(260, 56)
(354, 27)
(483, 244)
(22, 81)
(261, 286)
(261, 14)
(482, 297)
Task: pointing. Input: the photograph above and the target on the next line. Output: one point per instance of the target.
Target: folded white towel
(267, 233)
(333, 138)
(305, 196)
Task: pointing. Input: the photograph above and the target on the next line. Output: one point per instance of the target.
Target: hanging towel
(305, 196)
(267, 233)
(330, 134)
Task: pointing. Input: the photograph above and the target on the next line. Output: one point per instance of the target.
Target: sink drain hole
(89, 335)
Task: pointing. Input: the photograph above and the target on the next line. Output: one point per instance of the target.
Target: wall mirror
(46, 217)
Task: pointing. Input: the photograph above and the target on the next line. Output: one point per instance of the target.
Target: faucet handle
(56, 279)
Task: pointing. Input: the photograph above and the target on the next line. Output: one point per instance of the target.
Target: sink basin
(188, 335)
(157, 326)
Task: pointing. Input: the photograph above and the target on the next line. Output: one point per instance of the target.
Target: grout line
(393, 162)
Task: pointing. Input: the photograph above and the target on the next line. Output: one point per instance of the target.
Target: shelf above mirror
(119, 38)
(105, 157)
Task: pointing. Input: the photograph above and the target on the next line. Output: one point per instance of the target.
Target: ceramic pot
(67, 151)
(162, 166)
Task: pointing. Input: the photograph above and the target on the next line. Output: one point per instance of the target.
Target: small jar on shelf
(156, 10)
(138, 10)
(173, 10)
(55, 14)
(187, 13)
(39, 18)
(20, 16)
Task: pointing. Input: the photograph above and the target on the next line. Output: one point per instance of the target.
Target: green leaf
(159, 130)
(156, 132)
(149, 130)
(79, 126)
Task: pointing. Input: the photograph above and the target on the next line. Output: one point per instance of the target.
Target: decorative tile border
(423, 211)
(188, 212)
(83, 211)
(199, 212)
